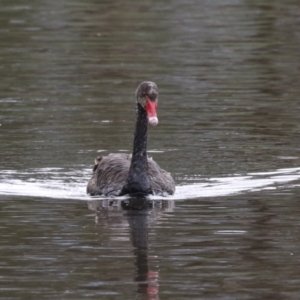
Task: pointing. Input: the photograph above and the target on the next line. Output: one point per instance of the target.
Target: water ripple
(71, 184)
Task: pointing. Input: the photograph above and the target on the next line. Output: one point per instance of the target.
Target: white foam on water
(71, 184)
(237, 184)
(45, 182)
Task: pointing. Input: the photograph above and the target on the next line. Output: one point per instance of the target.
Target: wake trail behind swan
(61, 183)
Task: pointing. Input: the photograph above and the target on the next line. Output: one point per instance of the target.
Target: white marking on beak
(153, 121)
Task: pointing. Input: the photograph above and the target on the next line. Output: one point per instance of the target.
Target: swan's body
(121, 174)
(111, 173)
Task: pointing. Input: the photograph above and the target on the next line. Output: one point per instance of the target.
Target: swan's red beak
(151, 112)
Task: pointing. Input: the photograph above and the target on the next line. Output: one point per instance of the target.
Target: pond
(228, 132)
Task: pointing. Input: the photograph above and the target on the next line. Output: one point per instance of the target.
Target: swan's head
(147, 97)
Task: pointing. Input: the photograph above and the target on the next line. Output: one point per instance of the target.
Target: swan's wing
(109, 174)
(162, 182)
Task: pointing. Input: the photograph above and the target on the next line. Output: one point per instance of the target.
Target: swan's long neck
(138, 179)
(139, 154)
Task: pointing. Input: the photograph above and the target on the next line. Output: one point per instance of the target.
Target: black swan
(124, 174)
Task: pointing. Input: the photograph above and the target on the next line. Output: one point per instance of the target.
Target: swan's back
(110, 174)
(162, 183)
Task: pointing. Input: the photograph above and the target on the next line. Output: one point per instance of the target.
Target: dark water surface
(228, 75)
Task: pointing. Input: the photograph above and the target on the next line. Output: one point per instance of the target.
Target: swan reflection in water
(139, 214)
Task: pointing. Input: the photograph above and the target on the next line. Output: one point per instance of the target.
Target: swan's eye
(142, 100)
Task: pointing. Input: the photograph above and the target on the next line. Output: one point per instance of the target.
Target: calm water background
(228, 76)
